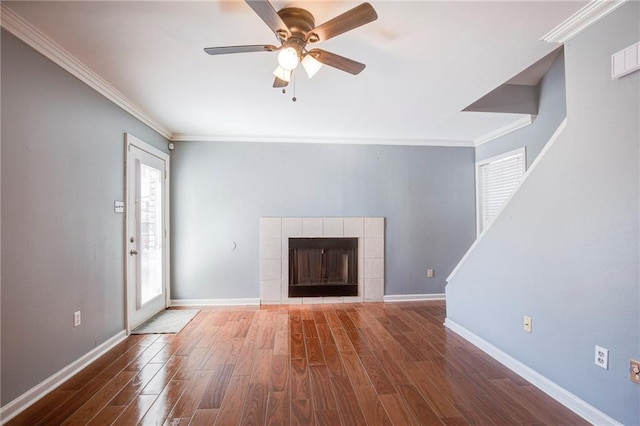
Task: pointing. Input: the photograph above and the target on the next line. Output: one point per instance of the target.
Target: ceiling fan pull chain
(294, 89)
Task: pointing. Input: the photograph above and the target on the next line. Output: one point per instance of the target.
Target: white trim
(29, 34)
(177, 137)
(139, 143)
(505, 130)
(34, 394)
(555, 391)
(413, 297)
(580, 20)
(533, 165)
(216, 302)
(521, 150)
(131, 140)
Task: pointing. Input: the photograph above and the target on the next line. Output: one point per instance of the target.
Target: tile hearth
(274, 255)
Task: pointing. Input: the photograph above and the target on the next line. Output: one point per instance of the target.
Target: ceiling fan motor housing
(300, 23)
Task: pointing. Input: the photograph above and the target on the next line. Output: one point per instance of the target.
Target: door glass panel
(150, 233)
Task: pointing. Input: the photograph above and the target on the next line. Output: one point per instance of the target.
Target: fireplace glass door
(323, 267)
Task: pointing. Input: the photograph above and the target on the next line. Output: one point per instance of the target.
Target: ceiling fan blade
(349, 20)
(337, 61)
(280, 83)
(240, 49)
(268, 14)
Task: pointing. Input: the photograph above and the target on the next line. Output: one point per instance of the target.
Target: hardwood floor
(348, 364)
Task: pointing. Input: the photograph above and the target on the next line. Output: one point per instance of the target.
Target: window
(496, 179)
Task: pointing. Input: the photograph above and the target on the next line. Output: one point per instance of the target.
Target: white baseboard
(563, 396)
(215, 302)
(413, 297)
(34, 394)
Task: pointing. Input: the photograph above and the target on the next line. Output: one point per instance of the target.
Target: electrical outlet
(430, 273)
(634, 371)
(527, 324)
(602, 357)
(77, 320)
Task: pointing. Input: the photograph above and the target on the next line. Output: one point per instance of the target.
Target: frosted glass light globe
(283, 74)
(311, 65)
(288, 58)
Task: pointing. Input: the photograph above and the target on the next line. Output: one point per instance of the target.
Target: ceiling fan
(295, 29)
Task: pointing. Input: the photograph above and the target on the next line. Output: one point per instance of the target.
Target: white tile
(284, 289)
(292, 227)
(270, 291)
(285, 274)
(333, 227)
(373, 247)
(285, 279)
(270, 248)
(373, 290)
(353, 227)
(270, 227)
(332, 300)
(274, 254)
(285, 267)
(374, 227)
(312, 226)
(270, 269)
(373, 268)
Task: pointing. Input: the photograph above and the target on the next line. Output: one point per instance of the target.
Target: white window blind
(498, 177)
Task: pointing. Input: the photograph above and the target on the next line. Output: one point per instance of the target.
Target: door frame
(131, 140)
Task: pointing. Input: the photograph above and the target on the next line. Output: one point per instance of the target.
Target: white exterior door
(147, 247)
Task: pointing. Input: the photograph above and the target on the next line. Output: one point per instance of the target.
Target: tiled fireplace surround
(274, 255)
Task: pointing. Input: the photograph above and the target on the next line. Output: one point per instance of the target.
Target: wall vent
(625, 61)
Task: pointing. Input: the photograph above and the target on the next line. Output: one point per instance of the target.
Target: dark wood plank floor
(342, 364)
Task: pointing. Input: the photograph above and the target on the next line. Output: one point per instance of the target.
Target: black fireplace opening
(323, 267)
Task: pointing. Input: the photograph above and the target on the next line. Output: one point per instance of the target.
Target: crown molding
(504, 130)
(580, 20)
(178, 137)
(39, 41)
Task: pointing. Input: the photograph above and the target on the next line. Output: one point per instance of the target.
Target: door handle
(133, 252)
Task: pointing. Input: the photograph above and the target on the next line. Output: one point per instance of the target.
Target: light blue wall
(62, 244)
(220, 190)
(552, 110)
(565, 250)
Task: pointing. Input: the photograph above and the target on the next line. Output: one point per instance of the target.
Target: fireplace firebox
(323, 267)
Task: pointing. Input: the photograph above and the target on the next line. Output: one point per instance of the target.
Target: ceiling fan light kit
(310, 65)
(295, 29)
(288, 58)
(282, 74)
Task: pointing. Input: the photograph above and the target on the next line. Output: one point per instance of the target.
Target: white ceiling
(426, 61)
